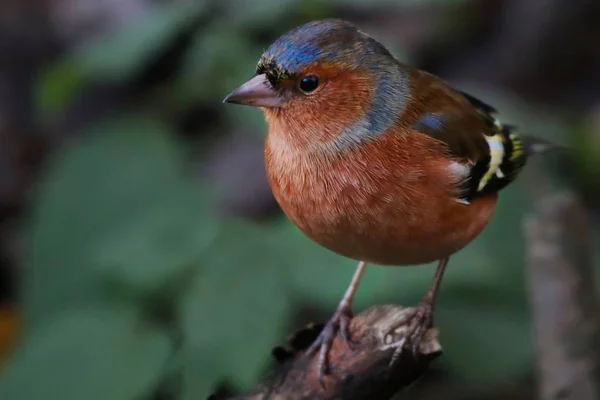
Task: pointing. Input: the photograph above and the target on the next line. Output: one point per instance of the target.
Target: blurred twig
(360, 373)
(563, 300)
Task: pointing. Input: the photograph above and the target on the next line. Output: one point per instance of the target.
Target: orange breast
(391, 202)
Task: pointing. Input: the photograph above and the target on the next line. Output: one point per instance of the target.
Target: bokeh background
(142, 254)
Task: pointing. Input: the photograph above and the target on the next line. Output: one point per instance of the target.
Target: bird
(376, 160)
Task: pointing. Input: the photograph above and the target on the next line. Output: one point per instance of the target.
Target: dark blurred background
(142, 255)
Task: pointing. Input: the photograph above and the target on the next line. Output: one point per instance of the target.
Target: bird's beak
(257, 92)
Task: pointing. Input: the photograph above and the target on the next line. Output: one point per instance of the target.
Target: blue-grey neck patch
(389, 102)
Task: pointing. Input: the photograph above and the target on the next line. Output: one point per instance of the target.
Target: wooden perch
(360, 373)
(564, 304)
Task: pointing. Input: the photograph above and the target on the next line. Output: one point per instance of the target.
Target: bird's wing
(494, 152)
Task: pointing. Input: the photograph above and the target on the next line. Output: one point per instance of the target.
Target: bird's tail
(535, 146)
(517, 149)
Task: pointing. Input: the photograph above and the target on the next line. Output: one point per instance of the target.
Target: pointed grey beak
(257, 92)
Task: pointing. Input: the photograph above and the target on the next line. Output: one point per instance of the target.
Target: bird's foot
(339, 323)
(413, 326)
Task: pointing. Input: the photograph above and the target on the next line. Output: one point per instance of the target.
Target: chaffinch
(375, 160)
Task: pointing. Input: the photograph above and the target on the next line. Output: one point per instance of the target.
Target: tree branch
(360, 373)
(563, 300)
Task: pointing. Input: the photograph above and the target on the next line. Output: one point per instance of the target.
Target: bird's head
(323, 77)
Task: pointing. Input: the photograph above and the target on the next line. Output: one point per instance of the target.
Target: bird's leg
(421, 319)
(339, 322)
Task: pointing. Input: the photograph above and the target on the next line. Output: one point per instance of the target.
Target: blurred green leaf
(505, 244)
(56, 86)
(87, 354)
(163, 240)
(234, 312)
(217, 62)
(95, 191)
(116, 55)
(119, 54)
(484, 342)
(586, 142)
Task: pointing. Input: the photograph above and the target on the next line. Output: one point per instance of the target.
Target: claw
(419, 321)
(398, 346)
(415, 350)
(339, 323)
(345, 331)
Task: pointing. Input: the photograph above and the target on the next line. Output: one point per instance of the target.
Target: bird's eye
(309, 83)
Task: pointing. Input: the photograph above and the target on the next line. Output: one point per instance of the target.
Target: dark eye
(309, 83)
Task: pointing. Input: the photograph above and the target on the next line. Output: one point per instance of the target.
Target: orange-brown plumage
(391, 201)
(375, 160)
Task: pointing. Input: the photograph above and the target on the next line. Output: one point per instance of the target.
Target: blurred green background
(142, 254)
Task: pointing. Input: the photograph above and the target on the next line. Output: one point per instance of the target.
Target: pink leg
(422, 318)
(339, 322)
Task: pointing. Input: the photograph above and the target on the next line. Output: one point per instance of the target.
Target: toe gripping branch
(364, 371)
